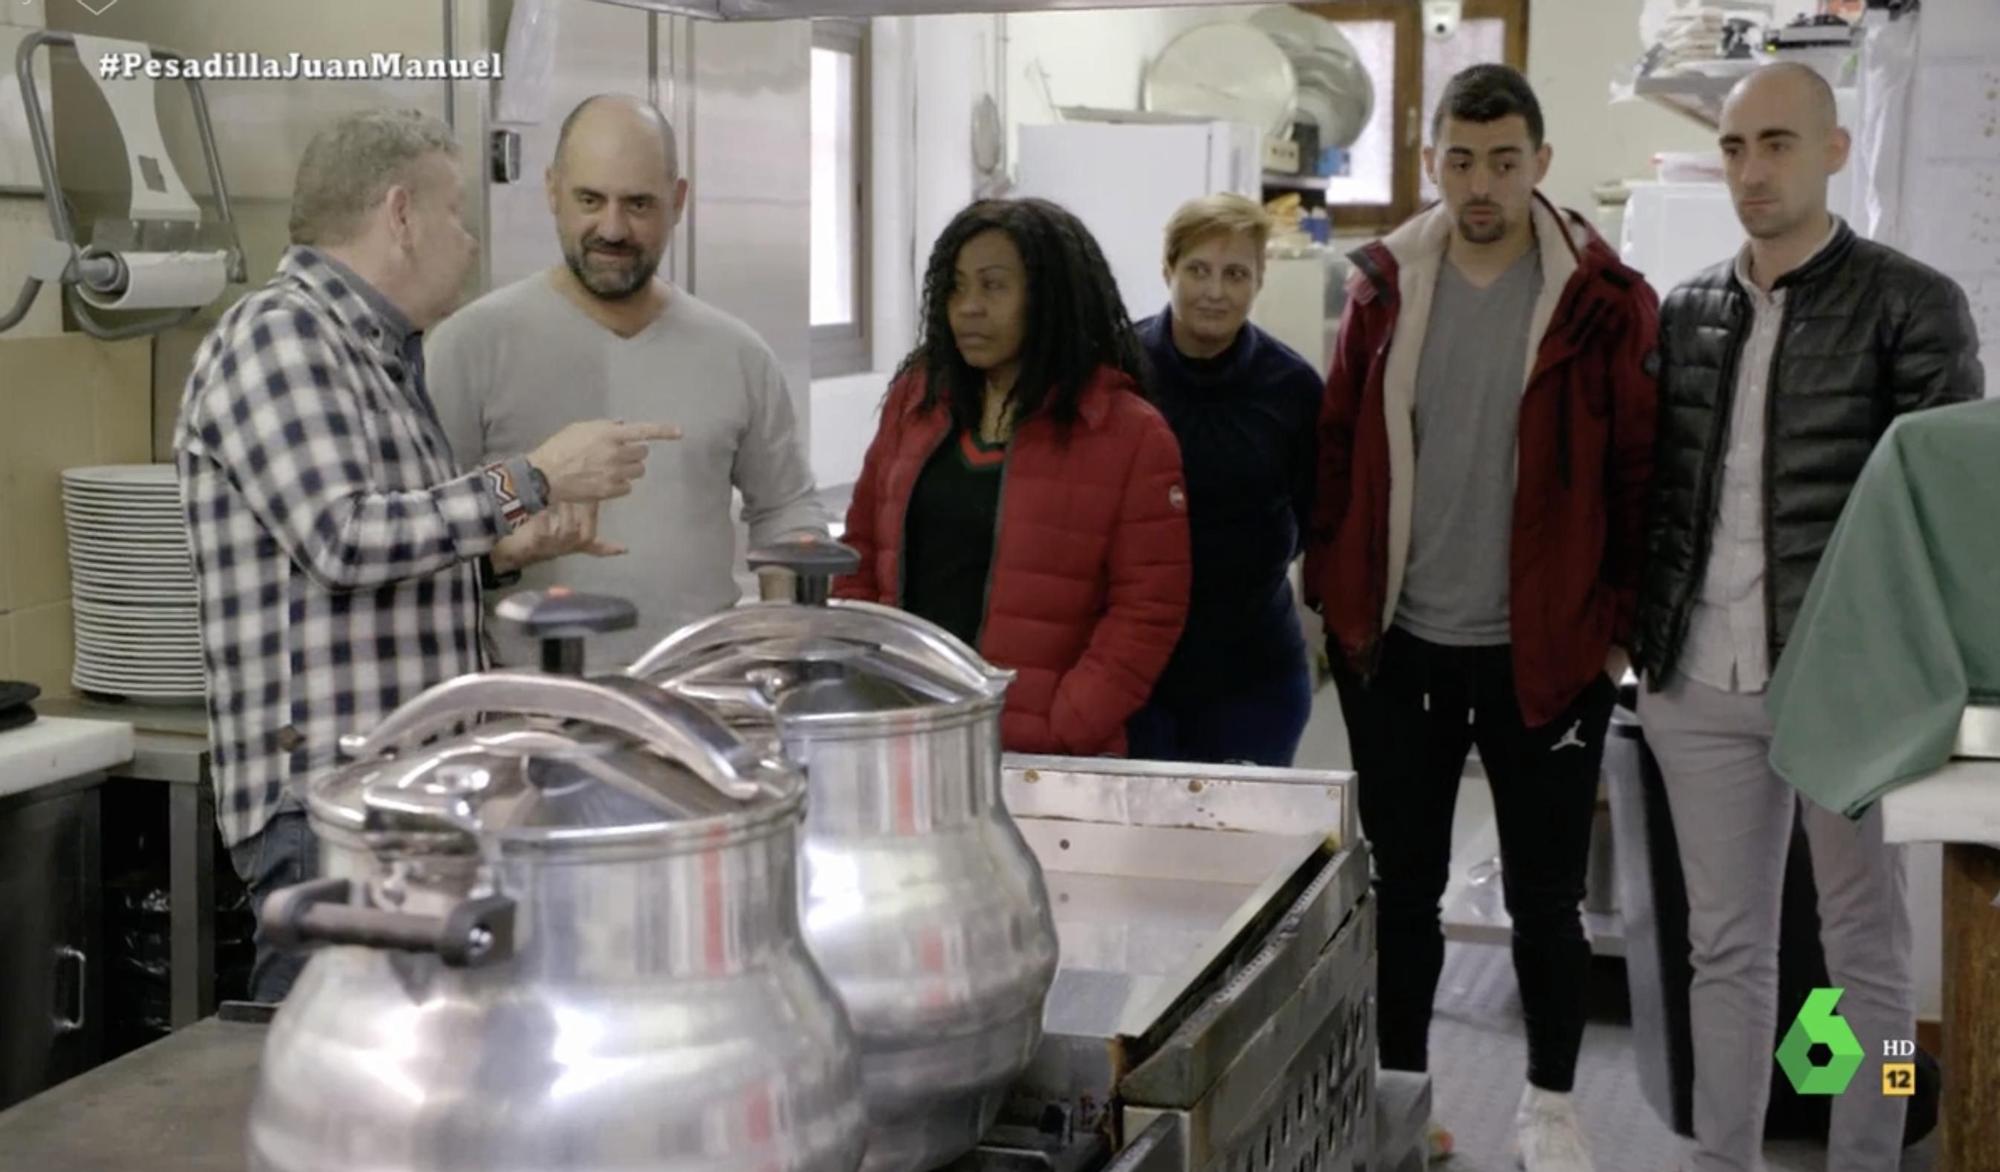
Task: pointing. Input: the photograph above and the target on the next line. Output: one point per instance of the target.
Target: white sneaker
(1438, 1142)
(1547, 1138)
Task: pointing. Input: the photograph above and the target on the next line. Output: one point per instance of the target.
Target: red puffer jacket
(1089, 584)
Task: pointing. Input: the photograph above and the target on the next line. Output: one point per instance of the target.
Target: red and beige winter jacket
(1584, 454)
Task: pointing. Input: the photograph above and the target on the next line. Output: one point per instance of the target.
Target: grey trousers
(1733, 817)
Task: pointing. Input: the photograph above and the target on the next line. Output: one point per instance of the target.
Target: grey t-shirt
(1469, 384)
(518, 365)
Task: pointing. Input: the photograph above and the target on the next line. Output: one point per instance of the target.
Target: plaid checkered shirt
(335, 543)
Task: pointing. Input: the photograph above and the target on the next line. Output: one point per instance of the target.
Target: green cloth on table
(1902, 624)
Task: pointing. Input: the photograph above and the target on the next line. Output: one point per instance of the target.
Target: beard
(616, 282)
(1486, 233)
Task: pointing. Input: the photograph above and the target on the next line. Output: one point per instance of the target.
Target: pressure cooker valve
(561, 618)
(815, 561)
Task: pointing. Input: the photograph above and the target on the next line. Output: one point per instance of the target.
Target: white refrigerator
(1125, 180)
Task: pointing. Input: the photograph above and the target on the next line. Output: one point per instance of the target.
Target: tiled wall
(70, 401)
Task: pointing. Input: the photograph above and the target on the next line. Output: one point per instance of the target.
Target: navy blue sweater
(1246, 420)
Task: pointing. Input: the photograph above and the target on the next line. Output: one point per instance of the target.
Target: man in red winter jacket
(1484, 451)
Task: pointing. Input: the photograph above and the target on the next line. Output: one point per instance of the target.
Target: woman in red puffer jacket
(1020, 491)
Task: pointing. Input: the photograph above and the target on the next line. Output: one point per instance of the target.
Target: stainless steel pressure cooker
(923, 903)
(567, 938)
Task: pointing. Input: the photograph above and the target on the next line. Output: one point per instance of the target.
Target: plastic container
(1318, 226)
(1688, 167)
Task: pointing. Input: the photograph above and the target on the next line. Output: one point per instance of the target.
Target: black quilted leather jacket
(1868, 334)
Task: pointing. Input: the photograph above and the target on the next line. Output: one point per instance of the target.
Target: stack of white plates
(132, 583)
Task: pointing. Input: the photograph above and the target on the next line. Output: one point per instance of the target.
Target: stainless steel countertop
(1125, 940)
(1156, 870)
(177, 1105)
(1135, 935)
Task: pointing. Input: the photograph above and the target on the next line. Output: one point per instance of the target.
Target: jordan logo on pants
(1570, 739)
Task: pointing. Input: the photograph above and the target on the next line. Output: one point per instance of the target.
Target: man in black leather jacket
(1780, 370)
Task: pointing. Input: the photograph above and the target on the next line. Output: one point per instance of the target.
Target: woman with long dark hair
(1020, 491)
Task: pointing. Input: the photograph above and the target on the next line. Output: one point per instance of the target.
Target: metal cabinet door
(50, 894)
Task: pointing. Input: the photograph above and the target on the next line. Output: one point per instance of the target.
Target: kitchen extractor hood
(803, 9)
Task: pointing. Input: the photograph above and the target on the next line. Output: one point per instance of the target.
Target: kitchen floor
(1476, 1036)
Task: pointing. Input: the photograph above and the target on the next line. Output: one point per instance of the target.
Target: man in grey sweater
(602, 336)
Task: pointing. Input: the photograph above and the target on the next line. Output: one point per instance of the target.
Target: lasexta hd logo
(1817, 1023)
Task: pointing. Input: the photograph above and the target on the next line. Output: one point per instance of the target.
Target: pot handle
(638, 709)
(392, 806)
(475, 932)
(734, 686)
(928, 647)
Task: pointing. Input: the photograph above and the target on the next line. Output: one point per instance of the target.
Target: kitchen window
(839, 197)
(1385, 183)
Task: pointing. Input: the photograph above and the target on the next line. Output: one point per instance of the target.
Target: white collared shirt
(1728, 643)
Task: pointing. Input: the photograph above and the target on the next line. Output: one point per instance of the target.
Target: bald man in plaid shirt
(339, 549)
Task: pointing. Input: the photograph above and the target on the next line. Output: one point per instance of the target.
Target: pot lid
(567, 761)
(811, 657)
(819, 659)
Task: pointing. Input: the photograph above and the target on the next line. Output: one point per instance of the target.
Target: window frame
(845, 348)
(1407, 87)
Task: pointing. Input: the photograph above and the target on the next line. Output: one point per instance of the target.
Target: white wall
(926, 78)
(952, 55)
(749, 153)
(1596, 140)
(845, 411)
(893, 67)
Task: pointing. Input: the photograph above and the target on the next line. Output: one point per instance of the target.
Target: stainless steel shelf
(1693, 95)
(1278, 180)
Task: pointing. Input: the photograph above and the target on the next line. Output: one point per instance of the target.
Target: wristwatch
(541, 482)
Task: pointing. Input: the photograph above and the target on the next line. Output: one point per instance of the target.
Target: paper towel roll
(164, 280)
